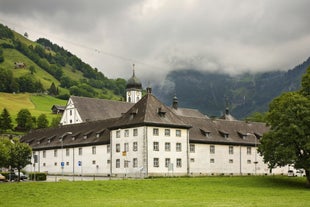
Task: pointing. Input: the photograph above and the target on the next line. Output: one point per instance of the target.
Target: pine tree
(5, 120)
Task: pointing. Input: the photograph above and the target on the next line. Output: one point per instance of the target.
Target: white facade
(133, 95)
(70, 115)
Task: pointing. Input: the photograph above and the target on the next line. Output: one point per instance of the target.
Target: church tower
(133, 88)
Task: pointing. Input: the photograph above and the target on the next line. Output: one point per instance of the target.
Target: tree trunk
(308, 177)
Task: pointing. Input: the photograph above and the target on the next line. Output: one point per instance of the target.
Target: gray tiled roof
(92, 109)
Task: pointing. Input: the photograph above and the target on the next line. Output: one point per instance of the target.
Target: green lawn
(203, 191)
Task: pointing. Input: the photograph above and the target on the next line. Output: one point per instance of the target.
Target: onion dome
(133, 82)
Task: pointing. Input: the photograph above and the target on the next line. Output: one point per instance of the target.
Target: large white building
(145, 138)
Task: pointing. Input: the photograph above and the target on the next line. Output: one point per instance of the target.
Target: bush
(38, 176)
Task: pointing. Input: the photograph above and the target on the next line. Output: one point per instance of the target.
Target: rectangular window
(178, 147)
(108, 148)
(135, 162)
(93, 150)
(44, 154)
(55, 153)
(231, 161)
(126, 147)
(135, 146)
(67, 152)
(249, 161)
(118, 163)
(192, 148)
(118, 134)
(67, 163)
(44, 164)
(108, 162)
(231, 150)
(126, 133)
(212, 149)
(192, 159)
(94, 162)
(249, 150)
(80, 151)
(167, 132)
(135, 132)
(70, 112)
(155, 131)
(126, 162)
(155, 146)
(156, 162)
(179, 162)
(167, 146)
(178, 133)
(212, 160)
(55, 163)
(118, 148)
(167, 162)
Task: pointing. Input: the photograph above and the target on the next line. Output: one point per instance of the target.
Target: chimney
(175, 103)
(149, 90)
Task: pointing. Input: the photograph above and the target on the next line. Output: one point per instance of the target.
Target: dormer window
(224, 134)
(242, 135)
(206, 133)
(160, 112)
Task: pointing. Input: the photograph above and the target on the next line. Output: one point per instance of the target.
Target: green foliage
(5, 121)
(53, 90)
(24, 120)
(257, 117)
(37, 176)
(42, 121)
(288, 141)
(4, 152)
(19, 154)
(55, 121)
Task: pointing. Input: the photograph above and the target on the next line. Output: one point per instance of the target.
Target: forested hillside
(41, 66)
(244, 94)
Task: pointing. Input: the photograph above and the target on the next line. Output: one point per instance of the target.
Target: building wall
(70, 114)
(133, 96)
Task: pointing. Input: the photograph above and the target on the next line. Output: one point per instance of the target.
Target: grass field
(36, 104)
(204, 191)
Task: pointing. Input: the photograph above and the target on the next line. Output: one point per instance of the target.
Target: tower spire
(133, 70)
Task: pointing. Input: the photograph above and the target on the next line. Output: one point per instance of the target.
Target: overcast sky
(161, 35)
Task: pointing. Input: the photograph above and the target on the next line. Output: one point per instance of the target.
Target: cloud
(163, 35)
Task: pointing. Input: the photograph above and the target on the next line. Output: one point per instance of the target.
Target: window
(231, 161)
(118, 148)
(155, 132)
(135, 162)
(108, 162)
(212, 149)
(126, 162)
(178, 133)
(135, 146)
(94, 162)
(167, 162)
(55, 153)
(93, 150)
(192, 159)
(156, 162)
(155, 146)
(248, 150)
(167, 132)
(118, 134)
(179, 162)
(178, 147)
(167, 146)
(55, 163)
(80, 151)
(126, 133)
(192, 148)
(98, 135)
(118, 163)
(67, 152)
(44, 154)
(126, 147)
(135, 132)
(70, 112)
(212, 160)
(67, 163)
(108, 148)
(231, 150)
(249, 161)
(44, 164)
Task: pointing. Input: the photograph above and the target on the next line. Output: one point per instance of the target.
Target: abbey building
(144, 137)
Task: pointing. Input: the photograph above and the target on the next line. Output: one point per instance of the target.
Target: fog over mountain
(160, 36)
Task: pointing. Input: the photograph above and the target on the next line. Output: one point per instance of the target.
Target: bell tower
(133, 88)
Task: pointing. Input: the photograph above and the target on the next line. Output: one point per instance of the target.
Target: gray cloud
(228, 36)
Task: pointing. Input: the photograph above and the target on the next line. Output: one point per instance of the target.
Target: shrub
(38, 176)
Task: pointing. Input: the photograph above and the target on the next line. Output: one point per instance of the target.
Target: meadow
(202, 191)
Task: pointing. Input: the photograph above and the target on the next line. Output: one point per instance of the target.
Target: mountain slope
(244, 94)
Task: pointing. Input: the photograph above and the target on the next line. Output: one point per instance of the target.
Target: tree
(19, 155)
(32, 69)
(4, 152)
(24, 120)
(42, 121)
(288, 141)
(55, 121)
(53, 90)
(5, 120)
